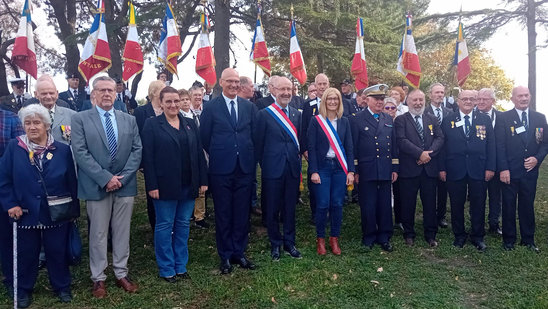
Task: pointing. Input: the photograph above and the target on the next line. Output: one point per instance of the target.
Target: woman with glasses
(391, 107)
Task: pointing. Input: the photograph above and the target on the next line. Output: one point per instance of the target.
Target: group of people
(385, 144)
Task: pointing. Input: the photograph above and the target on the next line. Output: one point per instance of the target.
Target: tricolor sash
(334, 141)
(284, 121)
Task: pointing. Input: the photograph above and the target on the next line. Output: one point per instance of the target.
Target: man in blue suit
(521, 147)
(276, 140)
(226, 127)
(74, 97)
(377, 167)
(467, 163)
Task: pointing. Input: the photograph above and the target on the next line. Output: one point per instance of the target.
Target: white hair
(35, 110)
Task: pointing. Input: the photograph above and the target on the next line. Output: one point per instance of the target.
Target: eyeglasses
(390, 108)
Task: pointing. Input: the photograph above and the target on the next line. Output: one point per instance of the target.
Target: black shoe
(24, 300)
(244, 263)
(480, 245)
(225, 267)
(443, 223)
(275, 253)
(387, 247)
(171, 279)
(183, 276)
(65, 296)
(202, 224)
(508, 246)
(495, 230)
(531, 247)
(293, 252)
(459, 243)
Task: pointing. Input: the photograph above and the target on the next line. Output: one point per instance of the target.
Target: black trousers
(6, 248)
(477, 189)
(409, 187)
(441, 209)
(376, 211)
(523, 190)
(231, 198)
(280, 199)
(495, 200)
(396, 192)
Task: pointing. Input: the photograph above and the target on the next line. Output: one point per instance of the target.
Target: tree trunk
(532, 52)
(222, 39)
(4, 90)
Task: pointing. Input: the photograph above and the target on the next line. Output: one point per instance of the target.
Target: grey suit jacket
(90, 149)
(61, 117)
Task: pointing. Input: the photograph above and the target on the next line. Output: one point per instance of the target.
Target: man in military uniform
(15, 100)
(73, 96)
(467, 163)
(376, 167)
(521, 147)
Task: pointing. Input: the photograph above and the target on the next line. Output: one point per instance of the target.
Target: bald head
(46, 92)
(283, 90)
(246, 88)
(322, 83)
(272, 84)
(230, 82)
(521, 97)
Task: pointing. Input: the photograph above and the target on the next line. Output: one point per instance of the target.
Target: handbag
(74, 244)
(60, 207)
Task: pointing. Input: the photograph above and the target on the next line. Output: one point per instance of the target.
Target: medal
(452, 124)
(49, 156)
(430, 128)
(512, 129)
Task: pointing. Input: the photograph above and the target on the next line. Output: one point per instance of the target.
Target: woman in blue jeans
(331, 166)
(175, 172)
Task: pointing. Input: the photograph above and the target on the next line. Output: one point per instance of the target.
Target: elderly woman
(391, 107)
(399, 95)
(331, 166)
(142, 113)
(175, 171)
(184, 95)
(33, 167)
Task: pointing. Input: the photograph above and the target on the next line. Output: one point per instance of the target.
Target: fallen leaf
(335, 276)
(457, 278)
(380, 270)
(274, 300)
(375, 282)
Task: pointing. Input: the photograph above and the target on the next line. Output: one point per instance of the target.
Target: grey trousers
(113, 211)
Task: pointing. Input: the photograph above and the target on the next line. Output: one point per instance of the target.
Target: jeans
(171, 234)
(330, 195)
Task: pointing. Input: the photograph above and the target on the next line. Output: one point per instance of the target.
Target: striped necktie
(438, 114)
(467, 125)
(524, 120)
(111, 137)
(419, 127)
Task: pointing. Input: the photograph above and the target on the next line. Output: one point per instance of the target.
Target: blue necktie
(285, 112)
(111, 138)
(524, 120)
(420, 129)
(233, 113)
(467, 125)
(376, 116)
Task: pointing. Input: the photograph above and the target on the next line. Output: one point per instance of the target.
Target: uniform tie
(19, 101)
(420, 129)
(524, 120)
(111, 138)
(376, 116)
(233, 114)
(467, 125)
(438, 114)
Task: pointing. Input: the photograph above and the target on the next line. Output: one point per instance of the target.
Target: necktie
(19, 100)
(376, 116)
(75, 93)
(285, 112)
(420, 129)
(233, 113)
(524, 120)
(111, 138)
(51, 118)
(120, 97)
(467, 125)
(438, 114)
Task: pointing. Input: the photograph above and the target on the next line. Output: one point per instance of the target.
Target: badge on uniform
(520, 130)
(430, 128)
(49, 156)
(539, 134)
(459, 123)
(481, 132)
(513, 131)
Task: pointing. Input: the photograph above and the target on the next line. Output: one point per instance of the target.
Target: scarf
(36, 152)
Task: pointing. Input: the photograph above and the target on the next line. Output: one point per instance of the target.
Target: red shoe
(334, 243)
(320, 246)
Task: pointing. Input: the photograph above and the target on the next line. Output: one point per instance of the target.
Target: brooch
(49, 156)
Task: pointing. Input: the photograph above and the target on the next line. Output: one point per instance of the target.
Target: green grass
(417, 277)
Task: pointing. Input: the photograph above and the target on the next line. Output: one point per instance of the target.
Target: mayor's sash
(282, 119)
(334, 141)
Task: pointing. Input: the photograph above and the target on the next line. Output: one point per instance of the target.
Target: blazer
(297, 102)
(161, 158)
(20, 183)
(411, 146)
(226, 144)
(319, 144)
(118, 105)
(90, 148)
(75, 103)
(444, 110)
(349, 106)
(142, 113)
(513, 148)
(374, 150)
(62, 117)
(310, 109)
(274, 146)
(472, 156)
(8, 103)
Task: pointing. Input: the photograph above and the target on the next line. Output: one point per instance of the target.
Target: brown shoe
(99, 290)
(320, 246)
(127, 285)
(334, 243)
(410, 242)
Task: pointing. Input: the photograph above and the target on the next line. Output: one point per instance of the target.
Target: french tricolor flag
(461, 60)
(170, 43)
(259, 52)
(24, 52)
(359, 66)
(296, 61)
(95, 57)
(133, 55)
(408, 60)
(205, 60)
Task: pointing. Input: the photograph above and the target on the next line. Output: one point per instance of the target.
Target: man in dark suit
(311, 108)
(353, 106)
(347, 90)
(377, 167)
(123, 95)
(74, 97)
(436, 94)
(297, 102)
(276, 139)
(486, 101)
(15, 100)
(271, 98)
(521, 147)
(226, 127)
(419, 139)
(467, 163)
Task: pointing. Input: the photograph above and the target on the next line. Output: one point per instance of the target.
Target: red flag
(205, 61)
(133, 55)
(24, 52)
(359, 66)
